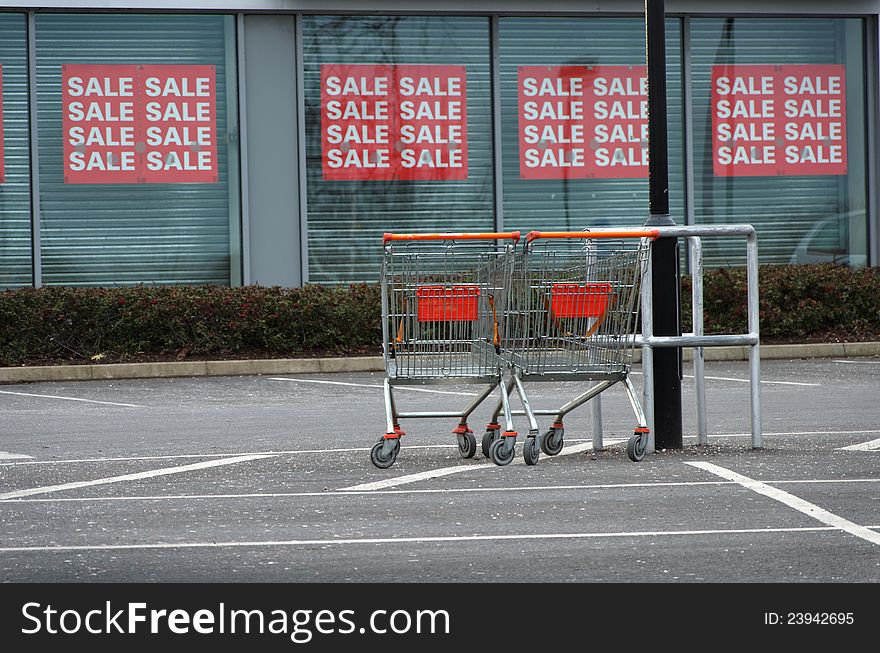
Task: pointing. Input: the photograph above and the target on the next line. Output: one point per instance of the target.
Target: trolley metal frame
(571, 316)
(444, 302)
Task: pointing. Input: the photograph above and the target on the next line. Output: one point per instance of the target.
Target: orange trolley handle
(596, 233)
(512, 235)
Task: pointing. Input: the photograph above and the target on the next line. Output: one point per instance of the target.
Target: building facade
(272, 143)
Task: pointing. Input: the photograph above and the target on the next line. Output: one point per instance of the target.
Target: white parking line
(456, 469)
(729, 378)
(290, 452)
(219, 455)
(88, 401)
(810, 509)
(746, 434)
(5, 455)
(411, 540)
(857, 362)
(374, 386)
(407, 491)
(127, 477)
(872, 445)
(420, 476)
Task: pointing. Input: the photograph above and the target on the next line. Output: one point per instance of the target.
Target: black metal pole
(664, 266)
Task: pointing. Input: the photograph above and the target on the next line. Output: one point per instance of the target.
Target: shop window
(15, 183)
(398, 135)
(138, 149)
(779, 136)
(574, 122)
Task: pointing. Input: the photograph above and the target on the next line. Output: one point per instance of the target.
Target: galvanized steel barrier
(697, 339)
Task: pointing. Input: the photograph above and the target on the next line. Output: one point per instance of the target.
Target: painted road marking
(361, 449)
(857, 362)
(374, 386)
(5, 455)
(420, 476)
(227, 455)
(738, 435)
(413, 540)
(809, 509)
(456, 469)
(88, 401)
(873, 445)
(469, 490)
(728, 378)
(128, 477)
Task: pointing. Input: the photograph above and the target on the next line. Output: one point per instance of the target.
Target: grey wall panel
(273, 193)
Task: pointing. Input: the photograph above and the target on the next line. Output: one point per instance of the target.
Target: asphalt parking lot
(268, 479)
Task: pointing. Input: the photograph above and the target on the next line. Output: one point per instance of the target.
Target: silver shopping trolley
(571, 316)
(444, 299)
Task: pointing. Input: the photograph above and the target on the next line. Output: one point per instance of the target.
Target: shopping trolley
(444, 300)
(571, 316)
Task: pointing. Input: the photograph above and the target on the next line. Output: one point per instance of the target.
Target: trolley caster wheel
(488, 438)
(498, 454)
(551, 443)
(531, 451)
(382, 459)
(467, 444)
(636, 446)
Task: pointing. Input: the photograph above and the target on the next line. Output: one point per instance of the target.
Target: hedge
(799, 303)
(65, 324)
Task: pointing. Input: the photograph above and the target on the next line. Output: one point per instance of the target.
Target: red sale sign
(779, 120)
(432, 124)
(179, 126)
(99, 124)
(552, 111)
(383, 122)
(126, 124)
(617, 125)
(357, 122)
(578, 122)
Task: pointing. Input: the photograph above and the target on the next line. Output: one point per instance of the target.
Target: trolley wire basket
(444, 299)
(574, 304)
(572, 313)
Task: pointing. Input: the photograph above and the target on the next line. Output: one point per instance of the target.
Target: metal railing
(697, 339)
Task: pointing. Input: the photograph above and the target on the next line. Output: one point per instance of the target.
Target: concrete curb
(366, 364)
(190, 368)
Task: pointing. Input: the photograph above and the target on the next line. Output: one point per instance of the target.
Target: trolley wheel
(551, 443)
(384, 460)
(636, 446)
(531, 451)
(467, 444)
(488, 438)
(498, 455)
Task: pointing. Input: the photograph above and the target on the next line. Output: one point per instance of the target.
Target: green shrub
(63, 324)
(799, 303)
